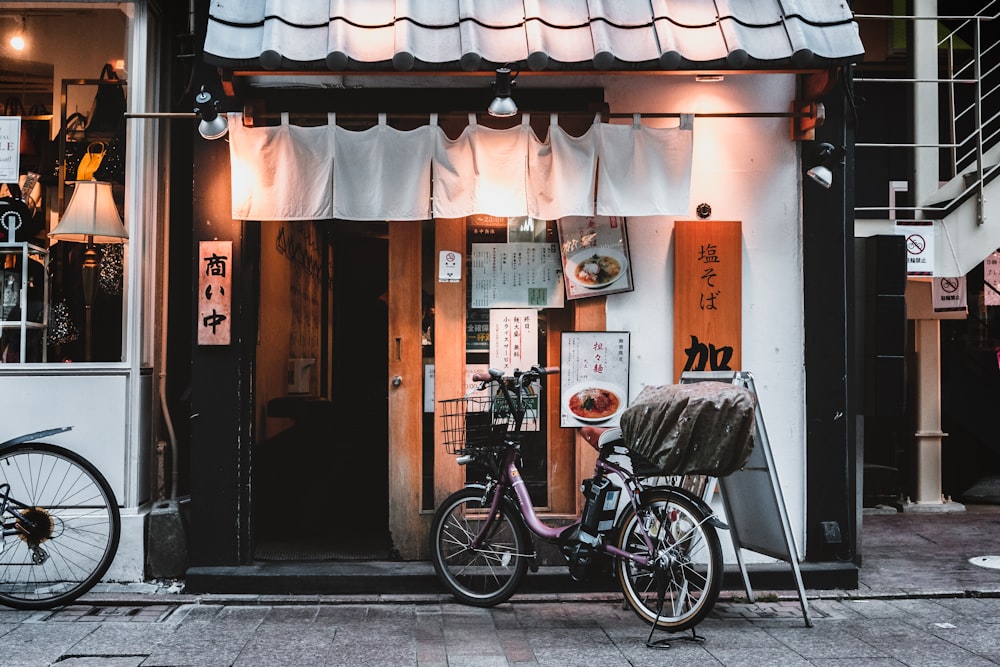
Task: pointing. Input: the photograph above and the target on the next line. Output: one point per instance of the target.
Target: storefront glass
(65, 93)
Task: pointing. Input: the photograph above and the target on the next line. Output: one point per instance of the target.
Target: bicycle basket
(474, 423)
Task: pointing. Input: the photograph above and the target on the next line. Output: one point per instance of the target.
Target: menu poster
(516, 275)
(594, 371)
(595, 255)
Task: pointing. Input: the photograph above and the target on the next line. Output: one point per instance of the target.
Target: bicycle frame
(511, 480)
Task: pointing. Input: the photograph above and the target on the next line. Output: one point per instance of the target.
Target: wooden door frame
(406, 524)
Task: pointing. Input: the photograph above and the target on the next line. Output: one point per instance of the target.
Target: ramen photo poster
(595, 255)
(594, 368)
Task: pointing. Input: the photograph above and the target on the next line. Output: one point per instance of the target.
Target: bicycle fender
(691, 497)
(28, 437)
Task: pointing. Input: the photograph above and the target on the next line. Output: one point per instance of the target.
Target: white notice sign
(516, 275)
(948, 294)
(919, 246)
(10, 148)
(513, 339)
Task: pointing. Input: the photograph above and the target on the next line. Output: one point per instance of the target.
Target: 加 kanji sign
(708, 306)
(215, 280)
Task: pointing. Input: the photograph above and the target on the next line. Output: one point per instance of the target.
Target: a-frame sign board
(755, 508)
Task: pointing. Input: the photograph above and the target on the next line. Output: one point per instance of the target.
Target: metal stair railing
(964, 81)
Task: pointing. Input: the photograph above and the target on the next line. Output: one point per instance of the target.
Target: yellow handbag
(91, 161)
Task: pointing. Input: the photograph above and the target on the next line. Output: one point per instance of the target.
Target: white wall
(747, 170)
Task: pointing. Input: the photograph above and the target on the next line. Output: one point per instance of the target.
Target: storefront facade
(72, 358)
(360, 286)
(295, 417)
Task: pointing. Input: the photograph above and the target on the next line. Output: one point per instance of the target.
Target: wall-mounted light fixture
(503, 105)
(17, 37)
(212, 125)
(825, 157)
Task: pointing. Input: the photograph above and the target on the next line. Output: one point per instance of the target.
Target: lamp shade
(91, 216)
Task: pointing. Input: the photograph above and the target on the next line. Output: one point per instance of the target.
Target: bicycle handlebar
(495, 374)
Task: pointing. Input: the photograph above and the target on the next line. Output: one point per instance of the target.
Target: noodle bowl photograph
(596, 268)
(593, 402)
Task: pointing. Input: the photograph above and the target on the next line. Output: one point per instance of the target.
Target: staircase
(967, 206)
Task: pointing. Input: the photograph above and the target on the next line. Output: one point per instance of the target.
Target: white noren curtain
(289, 172)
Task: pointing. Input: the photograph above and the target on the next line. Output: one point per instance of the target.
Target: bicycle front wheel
(61, 526)
(488, 573)
(682, 581)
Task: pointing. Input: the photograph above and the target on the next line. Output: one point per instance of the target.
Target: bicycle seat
(598, 435)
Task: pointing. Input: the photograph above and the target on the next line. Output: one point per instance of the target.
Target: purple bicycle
(662, 542)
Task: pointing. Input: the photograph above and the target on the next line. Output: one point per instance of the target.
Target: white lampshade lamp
(91, 217)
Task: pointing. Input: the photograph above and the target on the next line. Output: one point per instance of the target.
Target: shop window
(508, 297)
(68, 99)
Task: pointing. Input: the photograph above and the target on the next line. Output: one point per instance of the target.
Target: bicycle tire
(490, 574)
(78, 525)
(690, 553)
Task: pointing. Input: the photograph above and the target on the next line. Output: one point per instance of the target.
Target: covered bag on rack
(108, 112)
(703, 428)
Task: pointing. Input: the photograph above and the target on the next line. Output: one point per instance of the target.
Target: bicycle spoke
(67, 522)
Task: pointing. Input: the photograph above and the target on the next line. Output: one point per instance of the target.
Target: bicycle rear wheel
(681, 584)
(488, 574)
(61, 526)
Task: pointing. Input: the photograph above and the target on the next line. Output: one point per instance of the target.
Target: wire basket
(474, 423)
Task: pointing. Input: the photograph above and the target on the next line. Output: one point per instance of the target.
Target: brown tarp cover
(701, 428)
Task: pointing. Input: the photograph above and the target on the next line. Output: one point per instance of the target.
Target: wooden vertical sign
(215, 299)
(708, 308)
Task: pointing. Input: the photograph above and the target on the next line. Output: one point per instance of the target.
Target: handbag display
(108, 112)
(91, 161)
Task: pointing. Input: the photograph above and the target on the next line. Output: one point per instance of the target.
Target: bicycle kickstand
(661, 591)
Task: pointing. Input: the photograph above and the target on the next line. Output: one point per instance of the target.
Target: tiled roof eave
(321, 68)
(449, 36)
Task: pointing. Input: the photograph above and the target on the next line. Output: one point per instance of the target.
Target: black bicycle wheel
(490, 573)
(681, 584)
(61, 526)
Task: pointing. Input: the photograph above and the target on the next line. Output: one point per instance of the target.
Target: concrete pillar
(925, 181)
(928, 435)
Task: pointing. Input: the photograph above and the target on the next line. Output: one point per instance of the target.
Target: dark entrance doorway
(321, 485)
(359, 384)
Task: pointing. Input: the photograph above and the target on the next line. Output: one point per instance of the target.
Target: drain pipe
(164, 307)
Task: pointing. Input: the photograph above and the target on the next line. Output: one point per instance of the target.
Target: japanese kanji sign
(215, 280)
(513, 338)
(708, 304)
(991, 279)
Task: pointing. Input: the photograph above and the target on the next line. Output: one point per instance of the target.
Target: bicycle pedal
(533, 564)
